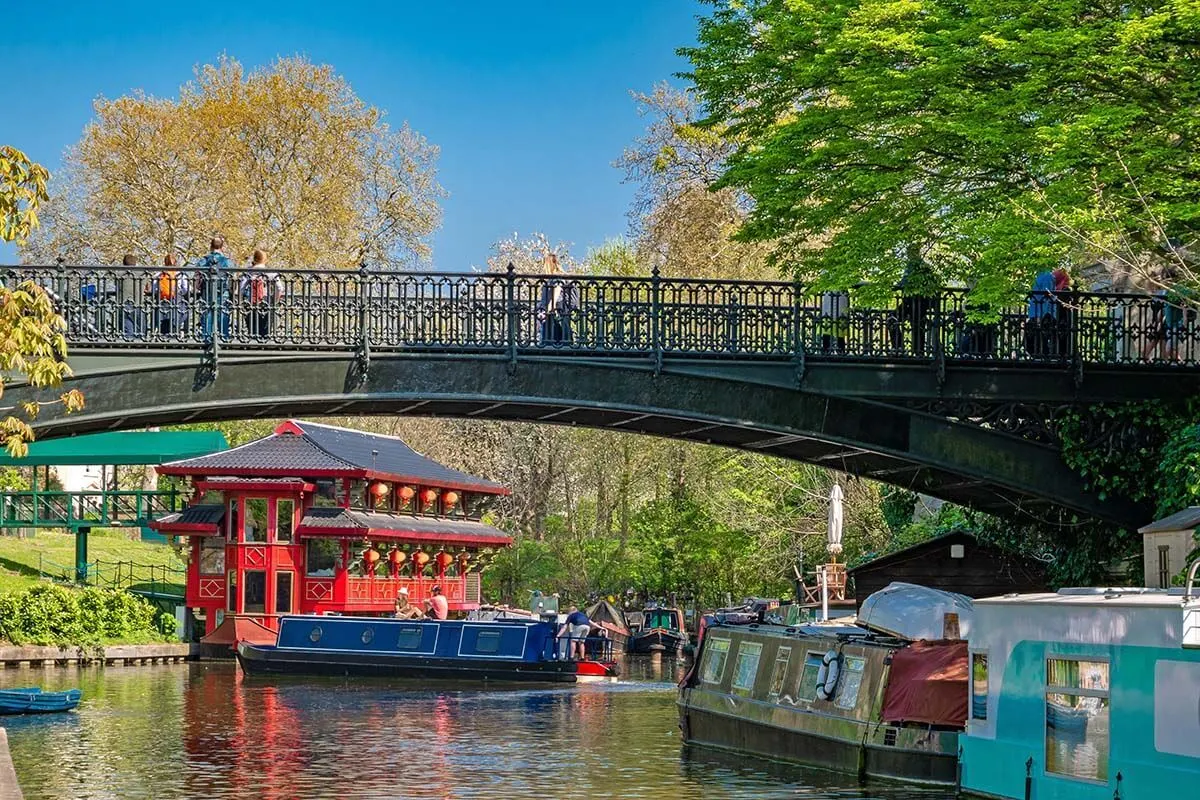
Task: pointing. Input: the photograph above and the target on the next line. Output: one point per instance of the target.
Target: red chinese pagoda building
(315, 519)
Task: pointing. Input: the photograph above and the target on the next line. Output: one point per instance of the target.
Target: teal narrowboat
(1085, 694)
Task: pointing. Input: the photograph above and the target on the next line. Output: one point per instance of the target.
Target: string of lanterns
(419, 560)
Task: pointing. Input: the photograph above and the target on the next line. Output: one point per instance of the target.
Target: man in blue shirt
(213, 279)
(577, 627)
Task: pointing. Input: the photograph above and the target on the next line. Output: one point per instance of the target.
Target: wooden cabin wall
(981, 572)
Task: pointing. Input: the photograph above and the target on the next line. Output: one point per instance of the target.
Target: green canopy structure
(109, 506)
(120, 448)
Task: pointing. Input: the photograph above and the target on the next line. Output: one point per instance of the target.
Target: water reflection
(202, 731)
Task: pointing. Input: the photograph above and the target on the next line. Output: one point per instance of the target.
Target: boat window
(487, 642)
(410, 638)
(851, 681)
(212, 556)
(746, 666)
(254, 601)
(661, 619)
(979, 685)
(322, 555)
(779, 672)
(715, 652)
(285, 514)
(1077, 737)
(807, 690)
(256, 519)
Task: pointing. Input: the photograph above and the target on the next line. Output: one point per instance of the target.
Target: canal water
(202, 731)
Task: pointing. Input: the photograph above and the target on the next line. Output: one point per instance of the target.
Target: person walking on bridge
(213, 280)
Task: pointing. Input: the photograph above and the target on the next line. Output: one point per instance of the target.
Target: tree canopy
(1000, 137)
(286, 158)
(32, 344)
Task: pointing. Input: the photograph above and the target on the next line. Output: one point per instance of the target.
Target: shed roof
(945, 540)
(119, 447)
(308, 449)
(1185, 520)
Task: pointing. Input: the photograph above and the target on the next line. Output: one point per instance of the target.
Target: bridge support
(81, 554)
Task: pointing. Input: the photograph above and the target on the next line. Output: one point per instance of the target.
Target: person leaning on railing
(259, 291)
(559, 298)
(167, 290)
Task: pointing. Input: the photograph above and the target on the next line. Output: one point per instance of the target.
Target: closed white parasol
(835, 520)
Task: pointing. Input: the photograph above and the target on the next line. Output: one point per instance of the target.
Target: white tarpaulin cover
(915, 612)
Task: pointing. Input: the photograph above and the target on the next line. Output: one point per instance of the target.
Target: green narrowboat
(830, 696)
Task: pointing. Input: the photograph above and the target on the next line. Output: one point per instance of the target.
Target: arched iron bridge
(915, 392)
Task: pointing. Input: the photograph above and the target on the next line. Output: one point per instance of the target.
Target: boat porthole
(368, 635)
(315, 635)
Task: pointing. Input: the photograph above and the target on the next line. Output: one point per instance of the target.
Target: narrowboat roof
(1089, 596)
(308, 449)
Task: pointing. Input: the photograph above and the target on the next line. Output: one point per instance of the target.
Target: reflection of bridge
(915, 393)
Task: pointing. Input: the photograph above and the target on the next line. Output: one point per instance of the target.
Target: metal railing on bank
(152, 579)
(508, 313)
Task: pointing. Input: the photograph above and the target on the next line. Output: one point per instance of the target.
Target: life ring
(828, 674)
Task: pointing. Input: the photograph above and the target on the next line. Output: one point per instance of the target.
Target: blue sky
(529, 101)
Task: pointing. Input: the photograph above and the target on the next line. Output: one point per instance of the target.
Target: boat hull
(667, 642)
(259, 660)
(35, 701)
(812, 749)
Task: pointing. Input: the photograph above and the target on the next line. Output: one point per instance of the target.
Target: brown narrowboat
(830, 696)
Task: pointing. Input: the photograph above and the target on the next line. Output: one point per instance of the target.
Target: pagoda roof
(304, 449)
(201, 518)
(343, 521)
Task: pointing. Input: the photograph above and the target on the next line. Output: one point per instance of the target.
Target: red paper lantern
(397, 556)
(420, 559)
(370, 557)
(406, 493)
(450, 499)
(464, 560)
(444, 560)
(427, 497)
(379, 490)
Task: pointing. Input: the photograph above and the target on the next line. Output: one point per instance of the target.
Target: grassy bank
(19, 558)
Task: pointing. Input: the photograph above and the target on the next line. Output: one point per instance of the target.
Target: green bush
(50, 614)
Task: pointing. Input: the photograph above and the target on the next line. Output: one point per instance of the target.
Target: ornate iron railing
(508, 313)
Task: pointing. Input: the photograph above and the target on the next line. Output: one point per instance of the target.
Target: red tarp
(928, 684)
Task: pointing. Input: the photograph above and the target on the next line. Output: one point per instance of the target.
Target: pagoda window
(212, 556)
(232, 527)
(231, 591)
(358, 495)
(321, 556)
(285, 515)
(326, 494)
(254, 586)
(283, 592)
(256, 519)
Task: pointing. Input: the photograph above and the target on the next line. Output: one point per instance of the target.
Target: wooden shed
(955, 562)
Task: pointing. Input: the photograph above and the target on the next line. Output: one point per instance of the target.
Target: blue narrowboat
(495, 650)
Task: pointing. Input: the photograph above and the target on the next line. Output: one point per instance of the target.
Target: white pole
(824, 595)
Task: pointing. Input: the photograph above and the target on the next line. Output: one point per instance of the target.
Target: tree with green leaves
(997, 138)
(32, 342)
